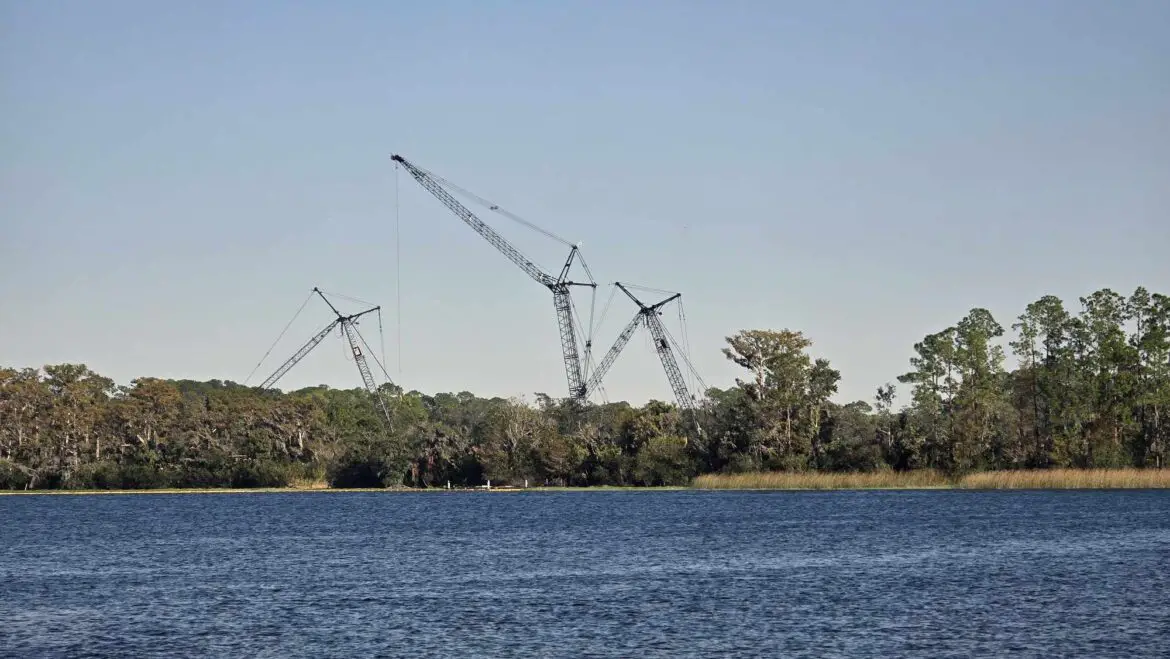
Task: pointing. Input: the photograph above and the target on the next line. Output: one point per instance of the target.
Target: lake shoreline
(1053, 479)
(338, 490)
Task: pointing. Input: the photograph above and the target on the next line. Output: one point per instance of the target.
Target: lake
(587, 574)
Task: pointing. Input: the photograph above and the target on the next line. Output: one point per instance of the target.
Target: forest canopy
(1089, 388)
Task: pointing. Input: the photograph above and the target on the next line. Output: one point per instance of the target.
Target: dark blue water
(587, 574)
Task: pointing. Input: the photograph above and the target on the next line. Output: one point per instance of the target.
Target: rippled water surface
(587, 574)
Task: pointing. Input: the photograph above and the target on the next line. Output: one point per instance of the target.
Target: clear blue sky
(175, 177)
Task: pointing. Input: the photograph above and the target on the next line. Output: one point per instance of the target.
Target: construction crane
(560, 285)
(348, 324)
(640, 318)
(648, 315)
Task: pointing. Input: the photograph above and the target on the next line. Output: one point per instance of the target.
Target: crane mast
(560, 286)
(563, 303)
(669, 364)
(347, 326)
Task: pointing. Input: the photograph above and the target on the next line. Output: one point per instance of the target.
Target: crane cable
(397, 272)
(495, 208)
(439, 182)
(381, 335)
(594, 326)
(648, 289)
(346, 348)
(589, 339)
(605, 309)
(686, 360)
(601, 390)
(350, 298)
(278, 338)
(580, 327)
(682, 322)
(592, 309)
(585, 266)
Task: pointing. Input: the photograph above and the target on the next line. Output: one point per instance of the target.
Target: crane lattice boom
(673, 373)
(432, 186)
(299, 355)
(350, 330)
(560, 286)
(612, 355)
(563, 302)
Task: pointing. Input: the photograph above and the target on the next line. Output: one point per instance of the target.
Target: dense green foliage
(1091, 390)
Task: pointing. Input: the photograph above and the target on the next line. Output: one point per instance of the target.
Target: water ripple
(605, 574)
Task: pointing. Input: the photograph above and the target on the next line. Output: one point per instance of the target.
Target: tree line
(1091, 388)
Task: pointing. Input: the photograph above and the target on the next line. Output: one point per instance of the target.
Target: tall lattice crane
(348, 325)
(649, 316)
(560, 285)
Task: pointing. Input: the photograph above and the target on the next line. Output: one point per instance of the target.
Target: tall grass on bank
(1061, 479)
(1025, 479)
(814, 480)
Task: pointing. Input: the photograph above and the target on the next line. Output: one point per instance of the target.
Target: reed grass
(1068, 479)
(308, 484)
(815, 480)
(1054, 479)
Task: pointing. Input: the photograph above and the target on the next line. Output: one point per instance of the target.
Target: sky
(176, 177)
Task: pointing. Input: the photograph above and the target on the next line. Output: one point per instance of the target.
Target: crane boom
(612, 355)
(559, 285)
(299, 355)
(673, 373)
(347, 326)
(425, 179)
